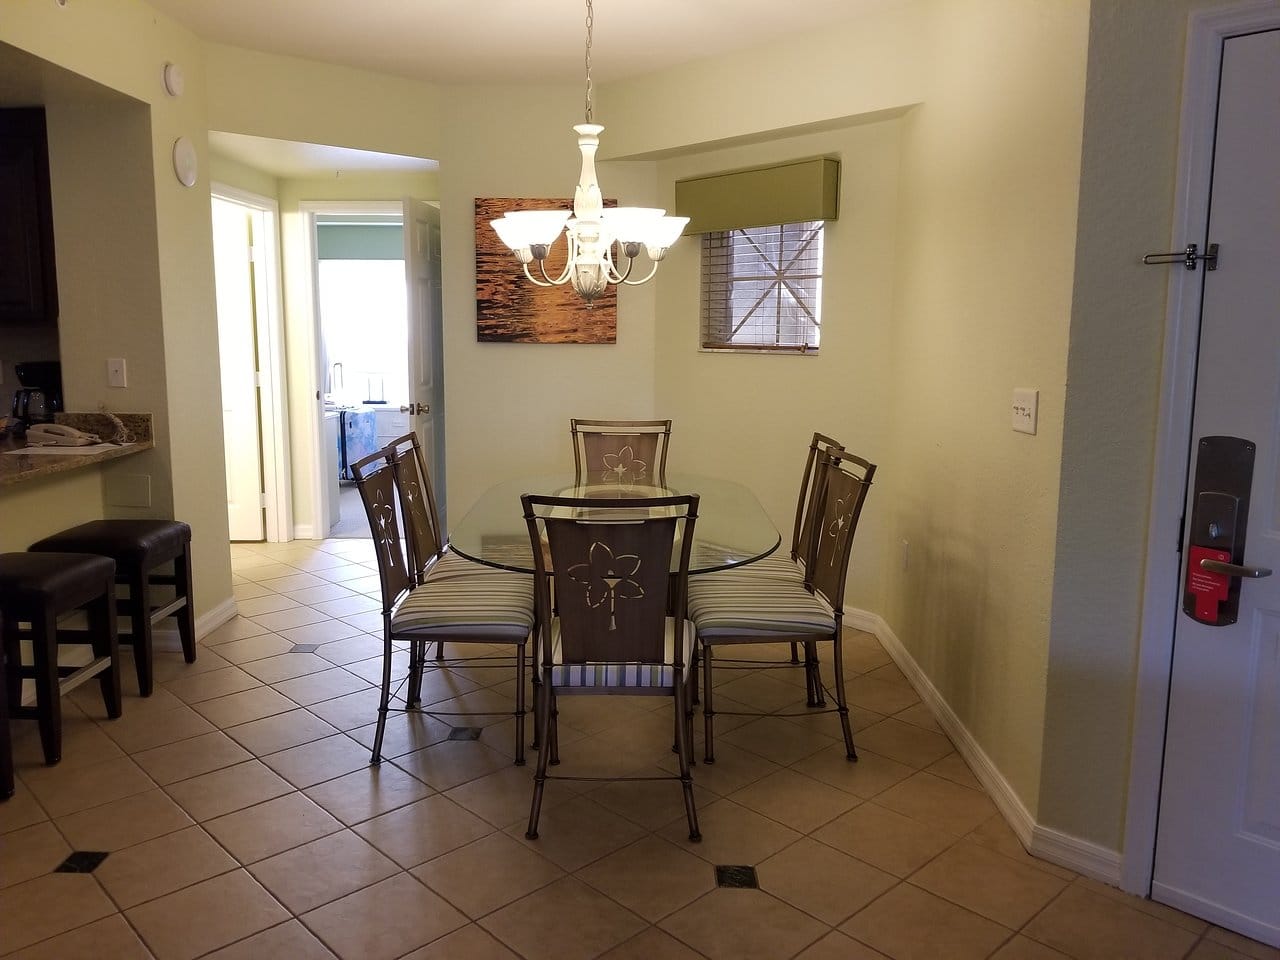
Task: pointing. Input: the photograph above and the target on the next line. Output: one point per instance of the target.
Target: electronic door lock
(1219, 518)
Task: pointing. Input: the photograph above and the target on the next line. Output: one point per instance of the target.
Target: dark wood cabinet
(28, 281)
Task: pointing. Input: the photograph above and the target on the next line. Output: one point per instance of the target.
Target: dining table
(732, 528)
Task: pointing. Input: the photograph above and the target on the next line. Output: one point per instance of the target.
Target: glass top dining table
(732, 528)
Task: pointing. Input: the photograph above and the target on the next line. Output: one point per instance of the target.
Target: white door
(1218, 841)
(233, 275)
(426, 335)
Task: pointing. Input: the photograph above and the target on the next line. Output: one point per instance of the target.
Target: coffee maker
(41, 394)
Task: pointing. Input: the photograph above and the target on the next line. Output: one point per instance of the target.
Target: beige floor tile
(343, 573)
(169, 664)
(319, 760)
(760, 692)
(423, 830)
(249, 590)
(20, 810)
(348, 712)
(314, 560)
(743, 925)
(296, 616)
(1250, 948)
(63, 790)
(1022, 948)
(452, 762)
(904, 742)
(404, 733)
(326, 591)
(921, 716)
(325, 685)
(255, 648)
(652, 944)
(732, 834)
(1158, 910)
(535, 926)
(201, 918)
(260, 606)
(110, 937)
(384, 921)
(989, 884)
(952, 767)
(734, 769)
(779, 740)
(345, 606)
(997, 835)
(83, 742)
(487, 874)
(939, 803)
(822, 882)
(795, 800)
(650, 803)
(368, 792)
(135, 733)
(884, 839)
(651, 877)
(360, 646)
(1089, 926)
(368, 622)
(504, 796)
(237, 628)
(212, 684)
(293, 581)
(286, 666)
(243, 707)
(280, 732)
(31, 852)
(321, 632)
(26, 913)
(227, 790)
(836, 946)
(869, 776)
(881, 695)
(576, 832)
(910, 924)
(315, 873)
(191, 758)
(470, 942)
(87, 698)
(288, 941)
(258, 832)
(124, 822)
(161, 866)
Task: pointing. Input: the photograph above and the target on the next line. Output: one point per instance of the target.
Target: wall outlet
(1025, 402)
(117, 374)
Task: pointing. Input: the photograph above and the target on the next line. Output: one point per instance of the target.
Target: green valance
(779, 193)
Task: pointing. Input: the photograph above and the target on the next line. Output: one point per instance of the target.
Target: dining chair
(487, 607)
(620, 453)
(732, 611)
(619, 624)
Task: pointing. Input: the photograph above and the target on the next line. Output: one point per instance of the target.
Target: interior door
(234, 286)
(1218, 840)
(426, 335)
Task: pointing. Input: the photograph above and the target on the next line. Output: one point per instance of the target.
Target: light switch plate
(117, 374)
(1025, 402)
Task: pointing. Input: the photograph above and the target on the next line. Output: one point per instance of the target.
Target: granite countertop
(17, 466)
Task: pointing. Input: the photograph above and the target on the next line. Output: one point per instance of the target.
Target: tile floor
(241, 819)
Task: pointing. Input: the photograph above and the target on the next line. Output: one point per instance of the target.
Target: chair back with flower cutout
(417, 504)
(614, 580)
(842, 484)
(376, 483)
(806, 504)
(625, 454)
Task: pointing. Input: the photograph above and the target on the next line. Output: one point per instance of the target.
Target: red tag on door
(1210, 589)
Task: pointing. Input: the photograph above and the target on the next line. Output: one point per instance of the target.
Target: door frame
(273, 406)
(1206, 31)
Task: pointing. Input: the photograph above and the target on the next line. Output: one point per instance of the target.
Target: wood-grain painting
(510, 309)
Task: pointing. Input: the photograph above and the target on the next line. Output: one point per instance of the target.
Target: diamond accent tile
(737, 877)
(82, 861)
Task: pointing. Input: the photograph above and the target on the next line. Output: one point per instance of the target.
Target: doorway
(255, 428)
(1203, 832)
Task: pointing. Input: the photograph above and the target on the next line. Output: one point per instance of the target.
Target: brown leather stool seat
(38, 588)
(140, 549)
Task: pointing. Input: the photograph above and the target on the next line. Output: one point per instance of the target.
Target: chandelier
(592, 232)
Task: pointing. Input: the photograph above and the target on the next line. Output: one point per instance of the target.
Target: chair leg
(140, 628)
(439, 650)
(693, 670)
(554, 710)
(816, 698)
(795, 654)
(684, 746)
(520, 705)
(543, 708)
(385, 699)
(708, 710)
(6, 745)
(842, 703)
(104, 637)
(186, 616)
(413, 690)
(44, 644)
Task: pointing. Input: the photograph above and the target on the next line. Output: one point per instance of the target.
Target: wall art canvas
(510, 309)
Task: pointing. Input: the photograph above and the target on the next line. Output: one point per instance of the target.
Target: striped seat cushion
(452, 565)
(725, 607)
(649, 675)
(776, 566)
(497, 606)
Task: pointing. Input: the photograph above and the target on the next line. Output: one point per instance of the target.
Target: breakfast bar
(20, 462)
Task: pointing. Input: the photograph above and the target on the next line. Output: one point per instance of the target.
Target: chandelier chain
(590, 24)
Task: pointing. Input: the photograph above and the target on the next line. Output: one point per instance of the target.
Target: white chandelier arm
(647, 277)
(535, 280)
(564, 276)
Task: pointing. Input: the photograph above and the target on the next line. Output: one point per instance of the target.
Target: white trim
(1079, 855)
(305, 531)
(1206, 32)
(1216, 913)
(166, 637)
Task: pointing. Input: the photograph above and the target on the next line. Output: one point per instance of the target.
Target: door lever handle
(1234, 569)
(421, 409)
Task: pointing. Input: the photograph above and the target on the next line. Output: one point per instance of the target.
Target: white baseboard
(166, 637)
(304, 531)
(1079, 855)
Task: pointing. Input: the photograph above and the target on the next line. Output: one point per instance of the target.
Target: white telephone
(58, 435)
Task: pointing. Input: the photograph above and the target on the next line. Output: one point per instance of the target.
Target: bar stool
(38, 588)
(140, 548)
(6, 745)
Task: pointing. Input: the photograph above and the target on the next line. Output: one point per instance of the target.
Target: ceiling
(506, 41)
(288, 158)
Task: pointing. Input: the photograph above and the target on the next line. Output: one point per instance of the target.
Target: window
(762, 288)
